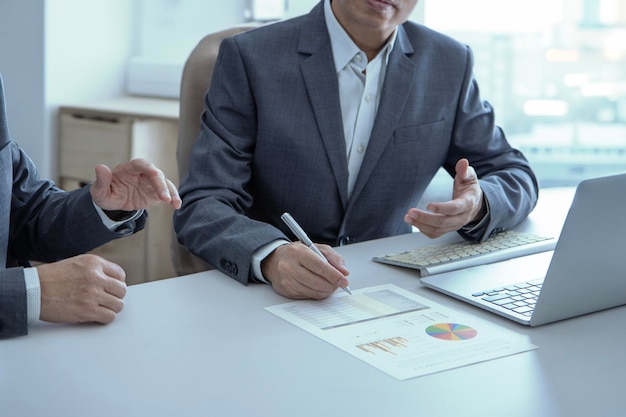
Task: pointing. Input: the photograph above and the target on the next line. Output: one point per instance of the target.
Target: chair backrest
(195, 82)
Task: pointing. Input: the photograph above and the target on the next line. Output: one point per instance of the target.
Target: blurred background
(554, 70)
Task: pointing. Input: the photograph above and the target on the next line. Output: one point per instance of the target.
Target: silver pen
(304, 238)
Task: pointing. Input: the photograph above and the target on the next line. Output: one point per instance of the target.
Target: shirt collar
(344, 48)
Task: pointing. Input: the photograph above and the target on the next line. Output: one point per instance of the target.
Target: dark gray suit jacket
(38, 222)
(272, 141)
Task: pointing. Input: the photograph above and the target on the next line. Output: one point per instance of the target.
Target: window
(555, 72)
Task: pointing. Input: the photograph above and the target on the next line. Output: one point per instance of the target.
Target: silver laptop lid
(588, 269)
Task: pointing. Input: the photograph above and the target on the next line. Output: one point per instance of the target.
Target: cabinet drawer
(88, 141)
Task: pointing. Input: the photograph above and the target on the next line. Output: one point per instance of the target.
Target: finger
(334, 259)
(160, 186)
(105, 314)
(448, 208)
(310, 287)
(139, 166)
(104, 176)
(135, 170)
(432, 224)
(461, 167)
(113, 270)
(471, 176)
(330, 283)
(295, 271)
(114, 287)
(164, 189)
(423, 217)
(175, 199)
(430, 231)
(465, 173)
(315, 272)
(299, 282)
(111, 302)
(324, 270)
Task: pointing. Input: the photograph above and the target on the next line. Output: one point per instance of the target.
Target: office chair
(195, 81)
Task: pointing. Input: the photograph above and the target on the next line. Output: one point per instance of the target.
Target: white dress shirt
(360, 85)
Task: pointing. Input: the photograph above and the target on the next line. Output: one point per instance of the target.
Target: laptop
(585, 273)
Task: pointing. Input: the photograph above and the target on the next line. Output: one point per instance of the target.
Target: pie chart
(451, 331)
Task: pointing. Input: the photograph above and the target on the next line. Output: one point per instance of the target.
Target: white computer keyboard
(436, 259)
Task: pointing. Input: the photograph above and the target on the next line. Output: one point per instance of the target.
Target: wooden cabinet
(114, 132)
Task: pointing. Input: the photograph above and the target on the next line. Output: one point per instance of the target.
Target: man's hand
(85, 288)
(133, 185)
(466, 206)
(295, 271)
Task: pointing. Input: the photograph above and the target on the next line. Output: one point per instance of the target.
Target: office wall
(55, 52)
(168, 30)
(87, 46)
(22, 69)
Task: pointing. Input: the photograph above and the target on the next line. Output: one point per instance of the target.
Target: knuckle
(319, 296)
(123, 291)
(119, 306)
(107, 317)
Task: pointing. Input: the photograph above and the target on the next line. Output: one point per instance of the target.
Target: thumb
(104, 176)
(461, 169)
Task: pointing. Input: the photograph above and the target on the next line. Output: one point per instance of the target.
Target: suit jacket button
(344, 240)
(228, 266)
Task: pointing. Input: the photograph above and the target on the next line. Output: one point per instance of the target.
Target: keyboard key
(502, 301)
(521, 301)
(492, 298)
(524, 309)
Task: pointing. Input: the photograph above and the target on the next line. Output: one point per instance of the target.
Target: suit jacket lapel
(320, 78)
(397, 86)
(4, 123)
(6, 182)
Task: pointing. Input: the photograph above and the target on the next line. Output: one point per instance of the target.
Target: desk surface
(204, 345)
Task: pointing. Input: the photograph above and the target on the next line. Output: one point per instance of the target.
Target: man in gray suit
(342, 117)
(39, 222)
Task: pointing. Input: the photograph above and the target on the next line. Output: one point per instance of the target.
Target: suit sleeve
(506, 178)
(13, 309)
(43, 216)
(46, 224)
(215, 191)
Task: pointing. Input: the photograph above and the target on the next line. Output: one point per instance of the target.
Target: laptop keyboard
(520, 298)
(431, 256)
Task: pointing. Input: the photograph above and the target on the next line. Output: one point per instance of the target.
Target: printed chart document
(401, 333)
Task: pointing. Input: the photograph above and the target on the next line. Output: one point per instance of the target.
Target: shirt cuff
(33, 294)
(476, 228)
(112, 225)
(260, 254)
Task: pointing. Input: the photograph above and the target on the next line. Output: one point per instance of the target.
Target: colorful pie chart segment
(451, 331)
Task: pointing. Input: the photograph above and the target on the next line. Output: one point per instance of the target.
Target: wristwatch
(119, 215)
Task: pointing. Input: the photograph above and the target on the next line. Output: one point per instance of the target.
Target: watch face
(119, 215)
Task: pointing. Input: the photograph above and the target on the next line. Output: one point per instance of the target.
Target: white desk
(203, 345)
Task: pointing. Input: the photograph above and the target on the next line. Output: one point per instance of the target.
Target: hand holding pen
(304, 238)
